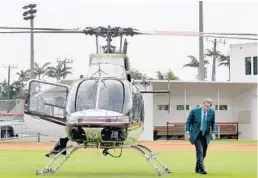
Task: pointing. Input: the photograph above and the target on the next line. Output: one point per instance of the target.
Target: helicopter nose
(97, 112)
(97, 116)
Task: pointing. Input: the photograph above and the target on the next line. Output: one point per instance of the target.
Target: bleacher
(175, 131)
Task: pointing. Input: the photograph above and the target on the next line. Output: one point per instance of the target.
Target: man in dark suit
(197, 131)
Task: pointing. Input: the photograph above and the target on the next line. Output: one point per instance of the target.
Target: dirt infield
(155, 146)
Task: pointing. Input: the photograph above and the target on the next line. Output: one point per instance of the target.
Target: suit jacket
(193, 123)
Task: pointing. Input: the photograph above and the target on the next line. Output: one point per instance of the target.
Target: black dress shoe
(200, 171)
(203, 172)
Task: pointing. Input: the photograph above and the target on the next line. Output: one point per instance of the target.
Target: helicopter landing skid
(69, 151)
(150, 157)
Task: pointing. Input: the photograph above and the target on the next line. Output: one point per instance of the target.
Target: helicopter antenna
(97, 44)
(121, 41)
(125, 47)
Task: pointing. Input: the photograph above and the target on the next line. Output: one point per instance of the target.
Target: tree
(136, 75)
(194, 63)
(17, 90)
(224, 60)
(4, 90)
(24, 76)
(215, 54)
(160, 75)
(168, 75)
(59, 71)
(39, 71)
(171, 76)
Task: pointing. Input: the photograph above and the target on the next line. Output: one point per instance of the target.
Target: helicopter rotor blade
(233, 34)
(184, 33)
(27, 28)
(50, 31)
(131, 31)
(168, 32)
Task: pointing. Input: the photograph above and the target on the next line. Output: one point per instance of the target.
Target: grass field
(219, 164)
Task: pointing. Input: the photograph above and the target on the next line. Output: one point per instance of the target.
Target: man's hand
(213, 136)
(187, 136)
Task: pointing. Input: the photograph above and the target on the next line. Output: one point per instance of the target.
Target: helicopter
(105, 109)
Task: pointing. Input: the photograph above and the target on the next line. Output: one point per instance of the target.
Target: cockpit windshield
(111, 95)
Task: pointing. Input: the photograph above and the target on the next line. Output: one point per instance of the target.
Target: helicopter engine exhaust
(113, 134)
(77, 133)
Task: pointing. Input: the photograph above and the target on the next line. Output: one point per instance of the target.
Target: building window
(248, 65)
(181, 107)
(163, 107)
(194, 106)
(255, 65)
(221, 107)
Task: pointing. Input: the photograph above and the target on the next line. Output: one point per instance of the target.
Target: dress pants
(201, 148)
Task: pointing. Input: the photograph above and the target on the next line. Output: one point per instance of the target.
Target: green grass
(220, 164)
(235, 142)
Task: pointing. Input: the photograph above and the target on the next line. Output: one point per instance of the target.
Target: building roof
(204, 88)
(200, 82)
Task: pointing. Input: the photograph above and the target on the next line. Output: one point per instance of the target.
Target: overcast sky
(147, 53)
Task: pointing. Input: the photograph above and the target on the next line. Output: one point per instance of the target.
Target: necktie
(204, 123)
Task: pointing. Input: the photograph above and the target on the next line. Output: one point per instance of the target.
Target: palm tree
(23, 76)
(215, 54)
(59, 71)
(194, 63)
(39, 71)
(224, 60)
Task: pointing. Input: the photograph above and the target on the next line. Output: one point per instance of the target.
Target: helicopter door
(45, 108)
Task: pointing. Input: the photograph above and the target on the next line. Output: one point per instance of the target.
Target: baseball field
(225, 159)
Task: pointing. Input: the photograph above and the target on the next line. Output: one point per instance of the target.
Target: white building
(243, 62)
(234, 101)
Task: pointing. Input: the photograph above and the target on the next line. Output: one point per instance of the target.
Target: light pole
(8, 79)
(29, 14)
(201, 50)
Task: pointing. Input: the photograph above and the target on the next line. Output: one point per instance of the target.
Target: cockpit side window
(86, 95)
(70, 107)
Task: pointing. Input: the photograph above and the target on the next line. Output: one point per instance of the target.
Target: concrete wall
(245, 112)
(147, 134)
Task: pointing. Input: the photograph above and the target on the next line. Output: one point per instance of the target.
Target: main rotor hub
(110, 32)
